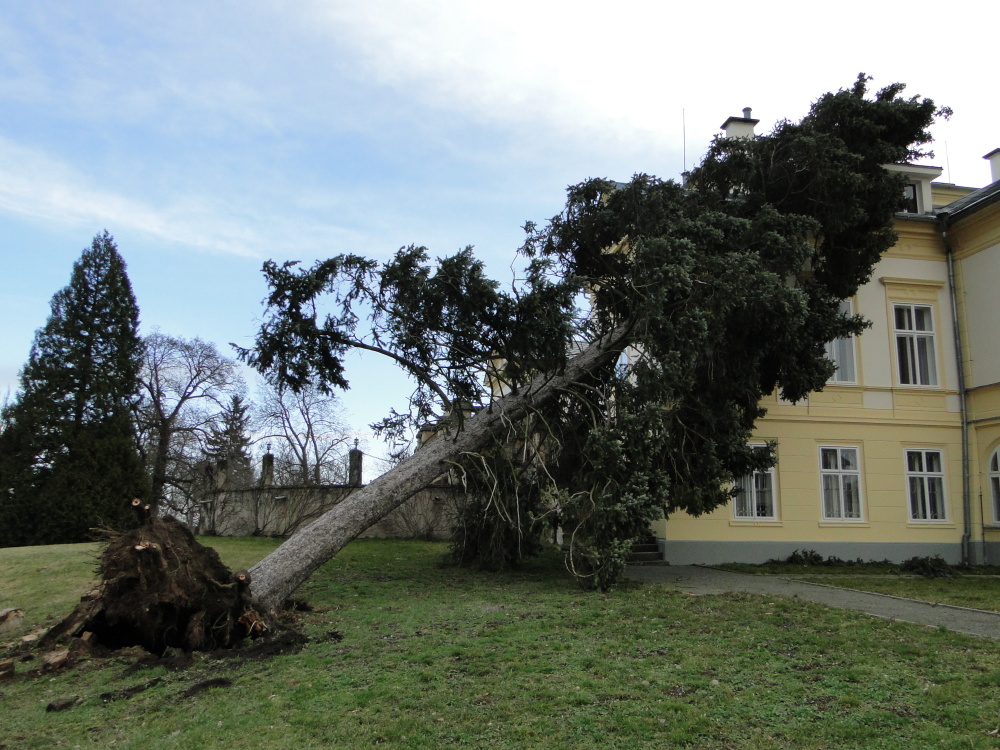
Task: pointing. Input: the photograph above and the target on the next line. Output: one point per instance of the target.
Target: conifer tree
(182, 383)
(705, 298)
(68, 453)
(228, 438)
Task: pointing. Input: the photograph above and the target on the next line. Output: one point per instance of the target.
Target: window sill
(758, 522)
(912, 524)
(844, 522)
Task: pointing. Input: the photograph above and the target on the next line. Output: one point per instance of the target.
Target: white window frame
(759, 482)
(916, 351)
(839, 482)
(994, 477)
(927, 500)
(842, 352)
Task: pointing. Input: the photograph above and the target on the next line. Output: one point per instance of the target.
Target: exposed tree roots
(161, 589)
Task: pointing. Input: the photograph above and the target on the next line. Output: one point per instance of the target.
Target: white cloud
(576, 64)
(42, 188)
(618, 76)
(553, 63)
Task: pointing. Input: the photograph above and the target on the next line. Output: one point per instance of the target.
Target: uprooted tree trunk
(286, 568)
(161, 589)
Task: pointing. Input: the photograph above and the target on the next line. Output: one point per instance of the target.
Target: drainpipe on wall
(966, 485)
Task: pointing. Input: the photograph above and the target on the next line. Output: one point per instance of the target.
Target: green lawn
(977, 587)
(405, 653)
(977, 592)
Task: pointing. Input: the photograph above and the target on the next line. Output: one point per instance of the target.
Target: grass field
(405, 653)
(977, 592)
(976, 587)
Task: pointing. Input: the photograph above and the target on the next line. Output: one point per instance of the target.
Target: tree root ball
(161, 589)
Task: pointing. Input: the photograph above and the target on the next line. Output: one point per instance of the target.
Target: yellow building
(900, 454)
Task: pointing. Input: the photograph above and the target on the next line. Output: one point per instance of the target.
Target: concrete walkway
(699, 580)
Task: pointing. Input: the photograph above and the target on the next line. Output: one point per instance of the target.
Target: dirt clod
(33, 636)
(10, 619)
(173, 660)
(126, 693)
(55, 659)
(286, 642)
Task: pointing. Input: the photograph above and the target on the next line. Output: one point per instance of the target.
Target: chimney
(354, 471)
(740, 127)
(993, 157)
(267, 469)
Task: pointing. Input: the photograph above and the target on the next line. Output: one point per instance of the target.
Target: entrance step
(645, 552)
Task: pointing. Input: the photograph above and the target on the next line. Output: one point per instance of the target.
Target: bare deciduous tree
(184, 384)
(311, 436)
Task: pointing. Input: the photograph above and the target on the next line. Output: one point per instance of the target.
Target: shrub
(929, 567)
(803, 557)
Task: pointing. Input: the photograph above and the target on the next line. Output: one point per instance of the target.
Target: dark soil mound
(161, 589)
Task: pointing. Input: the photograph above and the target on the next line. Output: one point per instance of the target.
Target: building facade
(899, 455)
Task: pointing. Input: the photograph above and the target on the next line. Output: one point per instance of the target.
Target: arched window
(995, 484)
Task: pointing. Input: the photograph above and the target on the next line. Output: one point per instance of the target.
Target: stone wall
(280, 511)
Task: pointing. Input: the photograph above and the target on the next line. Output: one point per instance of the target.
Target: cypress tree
(68, 453)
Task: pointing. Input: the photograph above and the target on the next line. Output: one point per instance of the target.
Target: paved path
(698, 580)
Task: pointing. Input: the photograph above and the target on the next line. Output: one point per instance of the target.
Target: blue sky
(209, 137)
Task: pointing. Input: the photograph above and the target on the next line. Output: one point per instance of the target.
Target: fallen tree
(703, 299)
(291, 564)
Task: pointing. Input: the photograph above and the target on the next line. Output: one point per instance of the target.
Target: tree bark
(290, 565)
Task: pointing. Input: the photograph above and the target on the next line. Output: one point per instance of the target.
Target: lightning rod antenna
(684, 140)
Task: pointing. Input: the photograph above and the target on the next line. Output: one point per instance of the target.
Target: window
(995, 484)
(754, 498)
(841, 352)
(910, 198)
(622, 365)
(841, 480)
(925, 485)
(915, 356)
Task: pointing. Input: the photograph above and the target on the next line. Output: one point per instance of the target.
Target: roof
(970, 204)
